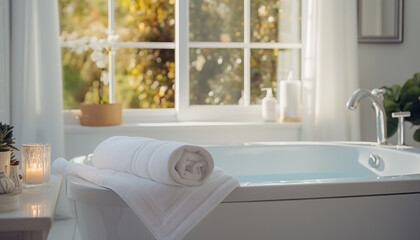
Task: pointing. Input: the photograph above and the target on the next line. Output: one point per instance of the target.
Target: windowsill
(203, 116)
(74, 128)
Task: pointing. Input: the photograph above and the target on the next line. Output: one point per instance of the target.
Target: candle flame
(36, 210)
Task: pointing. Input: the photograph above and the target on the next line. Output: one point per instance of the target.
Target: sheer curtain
(330, 71)
(36, 81)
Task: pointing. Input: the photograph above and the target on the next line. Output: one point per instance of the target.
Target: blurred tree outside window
(144, 74)
(235, 48)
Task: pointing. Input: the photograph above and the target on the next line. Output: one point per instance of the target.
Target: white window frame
(183, 111)
(247, 112)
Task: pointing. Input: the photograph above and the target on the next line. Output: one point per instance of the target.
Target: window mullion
(111, 74)
(247, 76)
(181, 56)
(111, 56)
(216, 45)
(147, 45)
(111, 17)
(247, 53)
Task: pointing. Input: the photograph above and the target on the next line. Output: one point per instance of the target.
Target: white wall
(389, 64)
(4, 62)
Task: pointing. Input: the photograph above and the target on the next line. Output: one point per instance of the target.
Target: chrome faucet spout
(375, 97)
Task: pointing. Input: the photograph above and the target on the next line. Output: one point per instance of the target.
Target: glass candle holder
(36, 164)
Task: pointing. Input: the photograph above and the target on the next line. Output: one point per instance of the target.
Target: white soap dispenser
(269, 108)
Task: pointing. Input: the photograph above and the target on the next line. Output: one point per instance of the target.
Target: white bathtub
(288, 191)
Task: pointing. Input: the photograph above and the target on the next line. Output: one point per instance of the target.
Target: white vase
(5, 163)
(7, 184)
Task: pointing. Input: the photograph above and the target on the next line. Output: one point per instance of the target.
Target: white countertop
(36, 209)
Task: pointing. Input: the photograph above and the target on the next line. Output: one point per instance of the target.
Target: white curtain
(36, 81)
(330, 71)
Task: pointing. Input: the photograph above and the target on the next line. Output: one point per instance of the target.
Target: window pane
(145, 21)
(145, 78)
(216, 20)
(80, 78)
(216, 76)
(80, 18)
(268, 66)
(276, 21)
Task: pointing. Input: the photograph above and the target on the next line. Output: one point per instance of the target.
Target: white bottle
(290, 100)
(269, 108)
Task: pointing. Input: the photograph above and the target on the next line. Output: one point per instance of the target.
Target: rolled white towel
(174, 163)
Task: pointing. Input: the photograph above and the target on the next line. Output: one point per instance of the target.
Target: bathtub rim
(404, 148)
(81, 190)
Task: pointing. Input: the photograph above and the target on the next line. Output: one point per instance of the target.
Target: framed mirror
(380, 21)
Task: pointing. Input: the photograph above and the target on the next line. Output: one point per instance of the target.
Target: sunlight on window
(145, 21)
(216, 76)
(145, 78)
(80, 18)
(268, 66)
(275, 21)
(216, 21)
(250, 54)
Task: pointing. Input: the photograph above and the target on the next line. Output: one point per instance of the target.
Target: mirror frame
(398, 26)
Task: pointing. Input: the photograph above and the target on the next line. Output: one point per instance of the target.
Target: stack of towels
(170, 186)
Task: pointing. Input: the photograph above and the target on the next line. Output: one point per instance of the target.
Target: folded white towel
(168, 211)
(166, 162)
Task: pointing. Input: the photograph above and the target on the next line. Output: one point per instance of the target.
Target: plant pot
(100, 114)
(5, 162)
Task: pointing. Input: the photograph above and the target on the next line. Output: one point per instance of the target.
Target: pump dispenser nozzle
(289, 78)
(269, 92)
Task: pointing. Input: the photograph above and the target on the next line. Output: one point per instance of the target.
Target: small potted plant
(404, 98)
(7, 142)
(102, 112)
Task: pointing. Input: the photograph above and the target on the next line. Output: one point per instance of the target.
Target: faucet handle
(379, 93)
(401, 116)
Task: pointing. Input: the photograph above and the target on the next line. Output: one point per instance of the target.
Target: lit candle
(34, 175)
(36, 210)
(290, 100)
(36, 164)
(35, 206)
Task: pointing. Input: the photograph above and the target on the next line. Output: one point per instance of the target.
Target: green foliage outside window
(145, 78)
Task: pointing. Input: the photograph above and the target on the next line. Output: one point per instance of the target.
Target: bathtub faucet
(376, 98)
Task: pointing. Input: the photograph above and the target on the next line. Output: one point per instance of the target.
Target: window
(208, 59)
(143, 66)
